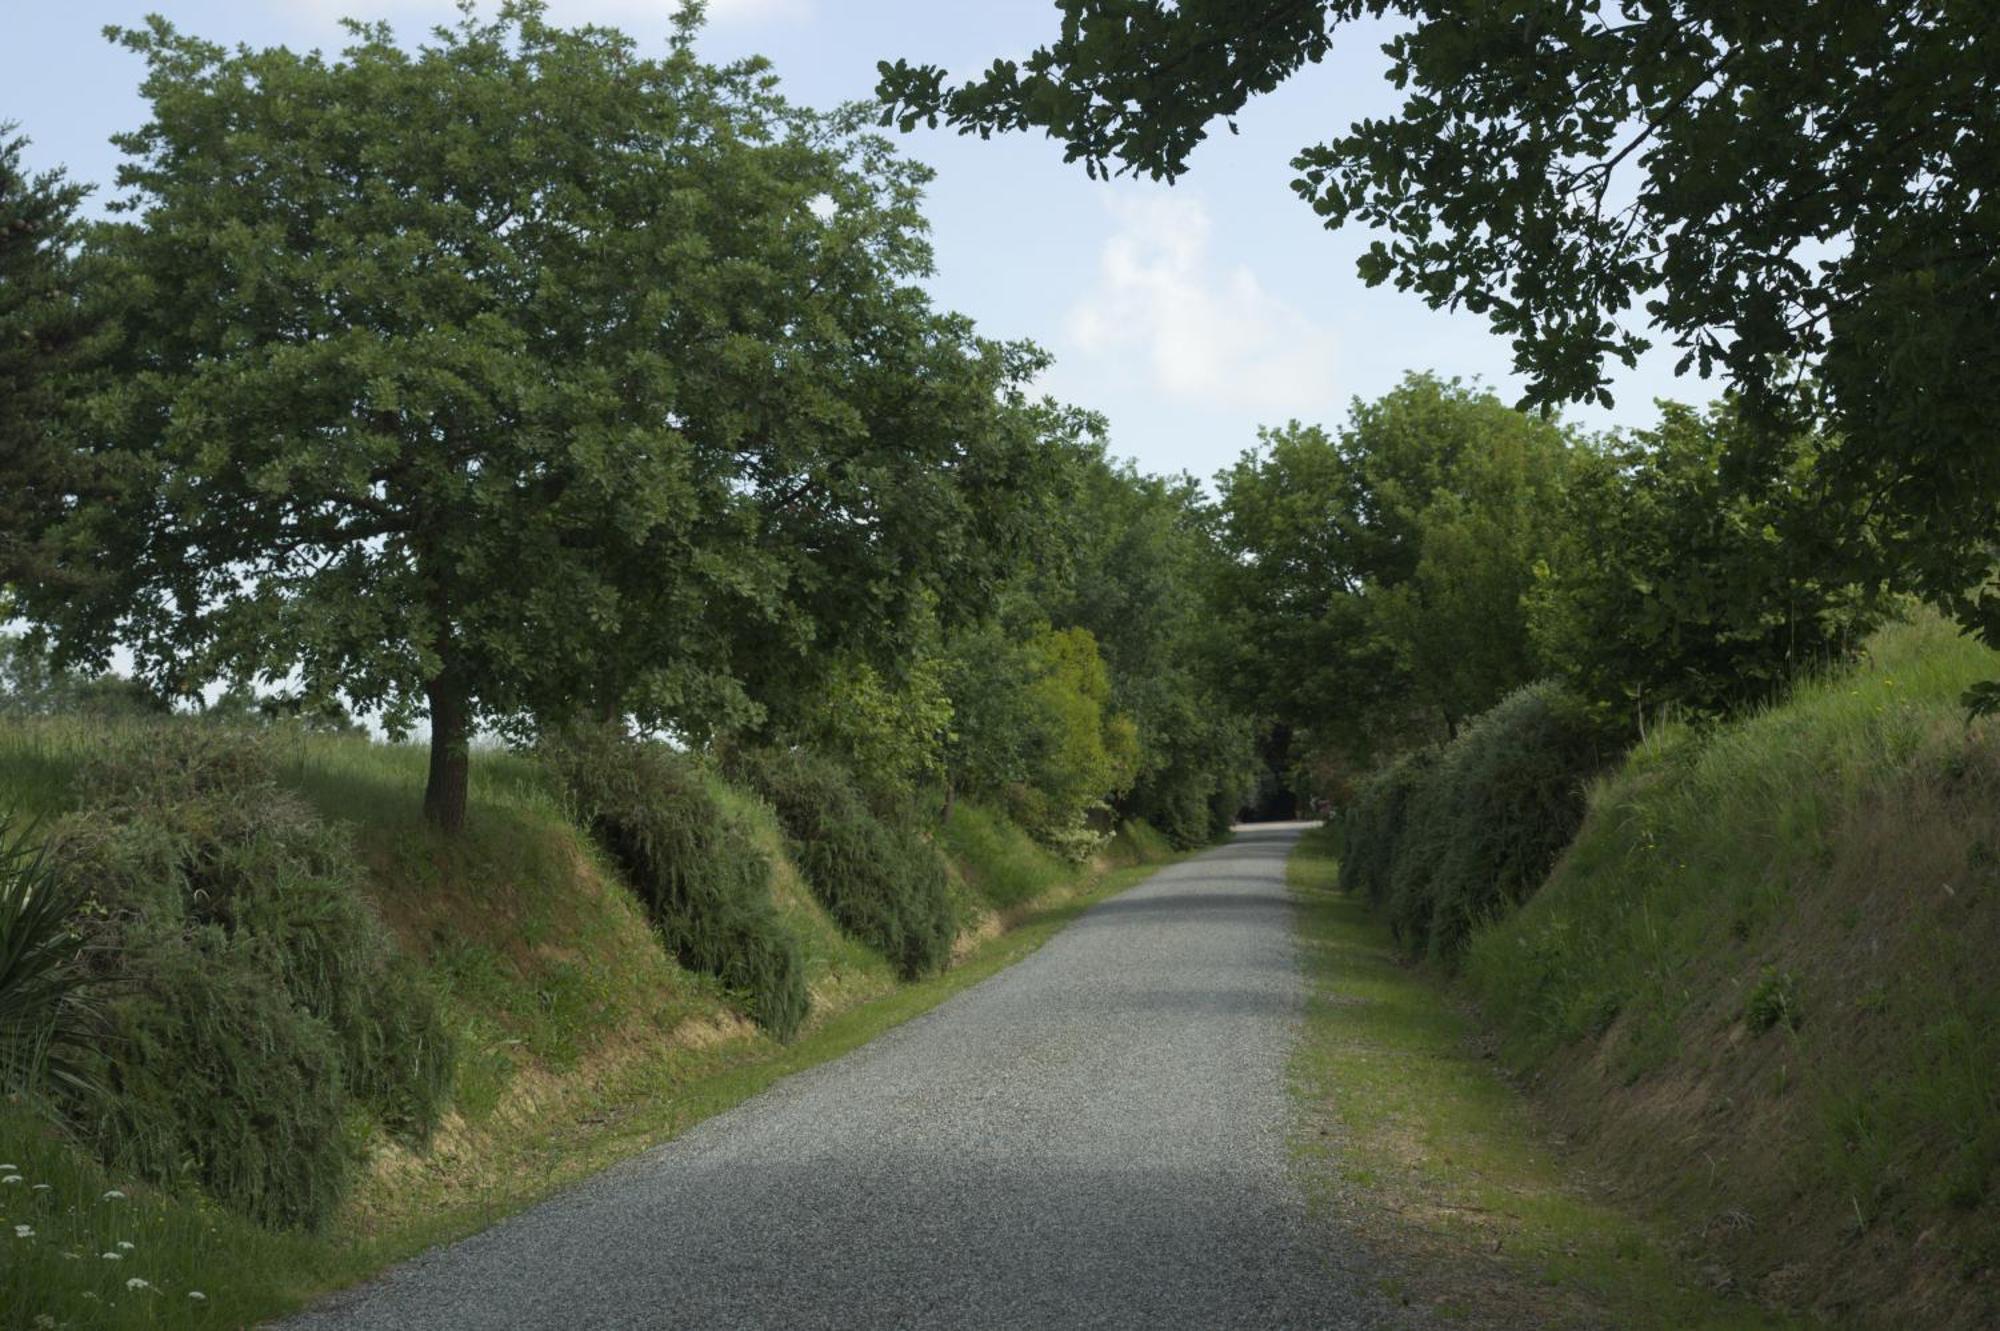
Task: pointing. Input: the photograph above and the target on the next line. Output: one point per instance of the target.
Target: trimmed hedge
(250, 998)
(1449, 838)
(692, 862)
(883, 881)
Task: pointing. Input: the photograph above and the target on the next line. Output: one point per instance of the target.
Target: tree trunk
(451, 732)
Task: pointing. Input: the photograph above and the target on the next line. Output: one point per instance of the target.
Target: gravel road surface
(1095, 1137)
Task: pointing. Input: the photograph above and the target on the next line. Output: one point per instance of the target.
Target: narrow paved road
(1094, 1137)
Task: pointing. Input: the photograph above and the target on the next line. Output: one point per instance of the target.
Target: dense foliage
(1675, 587)
(1377, 584)
(51, 333)
(250, 1003)
(1090, 692)
(1450, 841)
(1141, 575)
(706, 886)
(882, 878)
(1778, 186)
(44, 999)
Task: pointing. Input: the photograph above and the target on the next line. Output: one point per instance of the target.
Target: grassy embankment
(1760, 989)
(579, 1039)
(1756, 1001)
(1436, 1162)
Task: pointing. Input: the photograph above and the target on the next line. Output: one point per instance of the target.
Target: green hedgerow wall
(1447, 840)
(706, 885)
(883, 880)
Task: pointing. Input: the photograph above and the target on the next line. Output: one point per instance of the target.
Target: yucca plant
(43, 1010)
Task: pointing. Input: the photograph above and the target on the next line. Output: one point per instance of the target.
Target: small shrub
(884, 882)
(251, 997)
(1773, 1002)
(1181, 810)
(697, 868)
(1075, 837)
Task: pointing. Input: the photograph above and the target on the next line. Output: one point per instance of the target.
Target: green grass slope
(579, 1039)
(1425, 1154)
(1760, 989)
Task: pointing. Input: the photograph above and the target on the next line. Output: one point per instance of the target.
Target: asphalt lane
(1095, 1137)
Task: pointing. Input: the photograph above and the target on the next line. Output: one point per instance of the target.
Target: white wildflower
(124, 1245)
(8, 1169)
(39, 1187)
(113, 1256)
(138, 1282)
(10, 1178)
(24, 1231)
(90, 1294)
(197, 1296)
(114, 1196)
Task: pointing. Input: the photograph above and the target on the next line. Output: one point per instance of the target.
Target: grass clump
(1774, 1002)
(1451, 841)
(883, 880)
(1002, 864)
(44, 1013)
(250, 1004)
(706, 885)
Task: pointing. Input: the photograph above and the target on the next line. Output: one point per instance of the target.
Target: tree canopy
(519, 374)
(51, 331)
(1377, 576)
(1801, 196)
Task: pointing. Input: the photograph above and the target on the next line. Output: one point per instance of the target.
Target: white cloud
(1204, 331)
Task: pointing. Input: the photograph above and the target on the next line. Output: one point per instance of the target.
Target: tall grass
(882, 879)
(1002, 864)
(1799, 911)
(705, 883)
(44, 1009)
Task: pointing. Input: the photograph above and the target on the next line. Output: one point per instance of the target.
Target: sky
(1188, 315)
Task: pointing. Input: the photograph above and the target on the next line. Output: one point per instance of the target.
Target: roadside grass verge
(83, 1248)
(1423, 1151)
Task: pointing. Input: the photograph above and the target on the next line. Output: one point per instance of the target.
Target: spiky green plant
(42, 1005)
